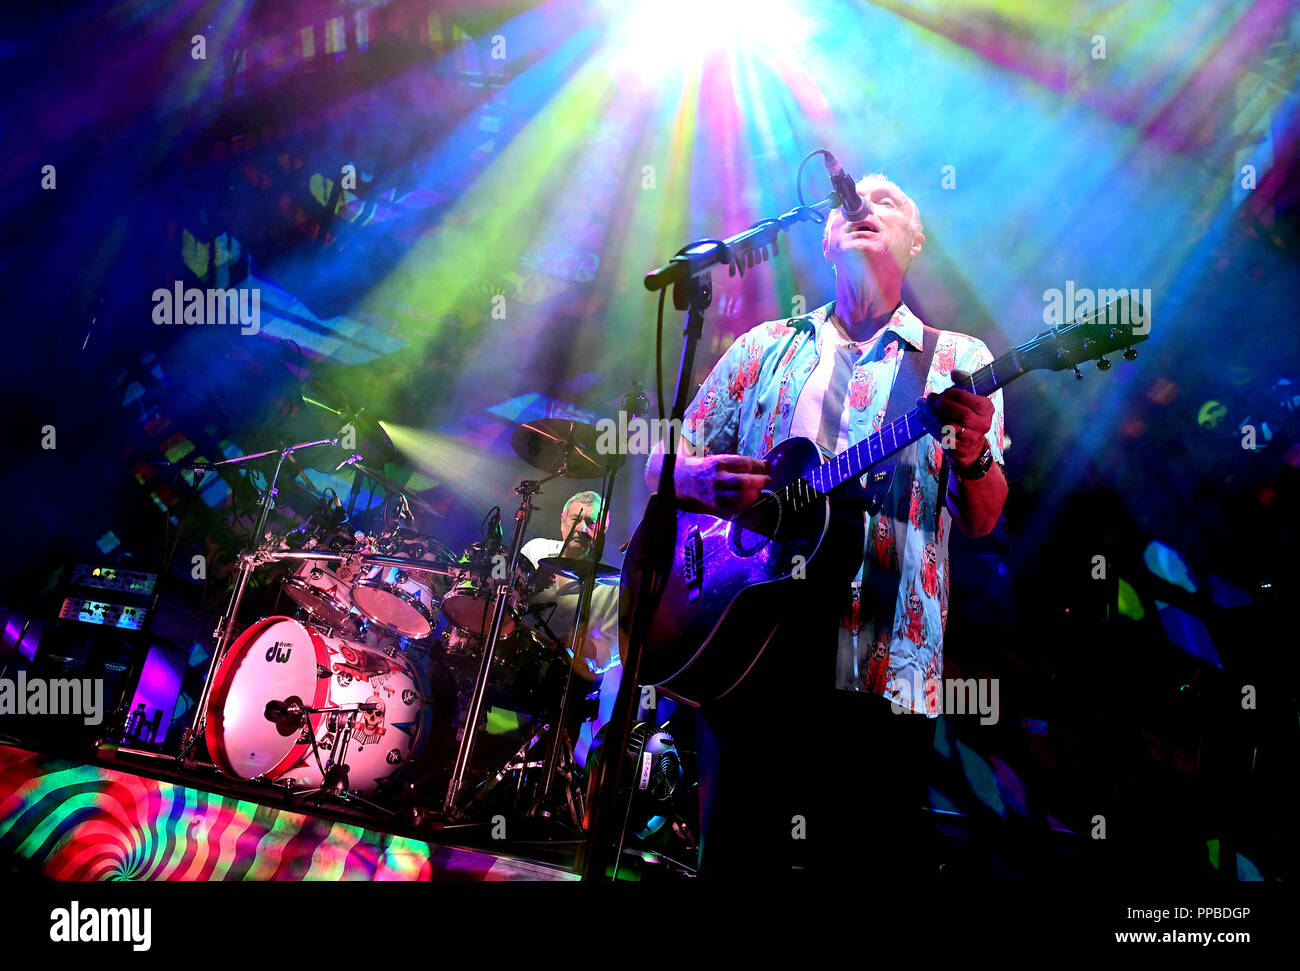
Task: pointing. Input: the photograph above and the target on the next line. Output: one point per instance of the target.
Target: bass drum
(278, 659)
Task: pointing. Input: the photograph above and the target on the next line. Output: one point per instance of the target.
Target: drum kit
(398, 644)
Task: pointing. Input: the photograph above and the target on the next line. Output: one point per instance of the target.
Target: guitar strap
(909, 382)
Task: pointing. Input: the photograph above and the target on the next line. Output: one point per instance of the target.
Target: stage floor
(102, 820)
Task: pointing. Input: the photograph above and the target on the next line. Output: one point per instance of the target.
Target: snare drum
(278, 659)
(469, 604)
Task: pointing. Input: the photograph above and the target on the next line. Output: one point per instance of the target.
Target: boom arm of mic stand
(733, 251)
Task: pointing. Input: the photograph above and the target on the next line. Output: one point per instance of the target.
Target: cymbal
(561, 446)
(324, 396)
(574, 568)
(371, 440)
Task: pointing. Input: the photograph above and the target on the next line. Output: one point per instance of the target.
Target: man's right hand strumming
(720, 485)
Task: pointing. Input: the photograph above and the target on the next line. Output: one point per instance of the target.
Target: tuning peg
(1130, 353)
(1077, 373)
(1103, 364)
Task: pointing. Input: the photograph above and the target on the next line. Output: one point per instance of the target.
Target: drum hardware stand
(516, 763)
(582, 623)
(566, 768)
(519, 764)
(525, 490)
(334, 771)
(226, 625)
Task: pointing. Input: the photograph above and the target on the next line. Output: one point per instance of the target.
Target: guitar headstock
(1089, 337)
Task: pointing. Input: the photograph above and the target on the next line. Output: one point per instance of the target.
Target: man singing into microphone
(807, 763)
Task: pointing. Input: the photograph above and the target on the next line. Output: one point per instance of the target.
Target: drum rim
(297, 583)
(508, 625)
(215, 738)
(402, 595)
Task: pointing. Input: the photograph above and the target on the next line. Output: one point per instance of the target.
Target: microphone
(635, 402)
(851, 204)
(330, 511)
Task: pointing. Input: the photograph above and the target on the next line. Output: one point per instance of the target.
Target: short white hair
(587, 498)
(915, 224)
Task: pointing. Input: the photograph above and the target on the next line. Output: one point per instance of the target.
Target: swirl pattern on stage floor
(87, 822)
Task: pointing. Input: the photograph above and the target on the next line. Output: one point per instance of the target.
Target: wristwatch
(978, 468)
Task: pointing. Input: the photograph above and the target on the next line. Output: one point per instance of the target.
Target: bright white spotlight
(655, 38)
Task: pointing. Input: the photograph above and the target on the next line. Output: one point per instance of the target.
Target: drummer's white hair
(587, 497)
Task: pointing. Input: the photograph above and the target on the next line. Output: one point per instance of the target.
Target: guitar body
(732, 581)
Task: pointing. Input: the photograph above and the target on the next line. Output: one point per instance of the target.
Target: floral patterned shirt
(775, 382)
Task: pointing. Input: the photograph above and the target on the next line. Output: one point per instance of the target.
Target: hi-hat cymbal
(560, 446)
(574, 568)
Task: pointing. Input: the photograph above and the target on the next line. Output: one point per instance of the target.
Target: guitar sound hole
(752, 529)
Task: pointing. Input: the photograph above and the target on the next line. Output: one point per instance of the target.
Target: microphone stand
(689, 275)
(225, 626)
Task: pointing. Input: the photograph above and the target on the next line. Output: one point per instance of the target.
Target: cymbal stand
(226, 625)
(582, 622)
(526, 490)
(566, 769)
(516, 763)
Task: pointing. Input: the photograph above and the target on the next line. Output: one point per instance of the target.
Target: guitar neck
(903, 431)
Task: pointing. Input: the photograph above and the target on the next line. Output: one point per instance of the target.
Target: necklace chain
(843, 338)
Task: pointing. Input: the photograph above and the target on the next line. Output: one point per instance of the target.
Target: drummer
(598, 660)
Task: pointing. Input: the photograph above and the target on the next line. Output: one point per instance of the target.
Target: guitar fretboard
(903, 431)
